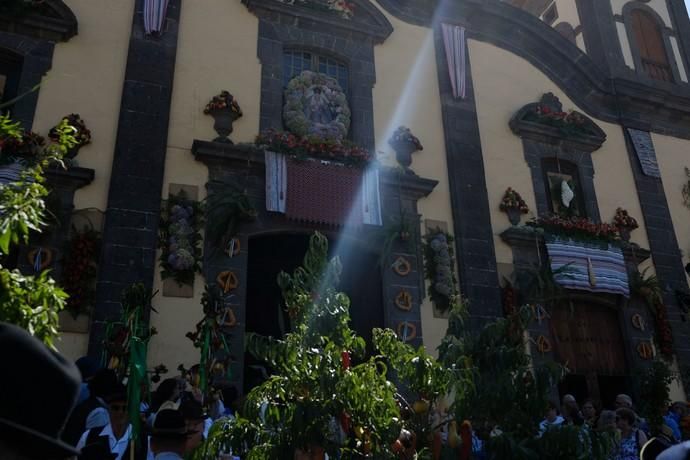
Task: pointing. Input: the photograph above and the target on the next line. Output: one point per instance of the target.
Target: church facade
(554, 134)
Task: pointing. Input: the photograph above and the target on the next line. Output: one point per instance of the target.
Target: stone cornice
(57, 24)
(72, 178)
(215, 154)
(530, 238)
(367, 22)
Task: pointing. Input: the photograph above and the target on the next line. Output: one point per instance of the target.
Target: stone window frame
(283, 27)
(535, 154)
(666, 34)
(35, 60)
(541, 142)
(31, 40)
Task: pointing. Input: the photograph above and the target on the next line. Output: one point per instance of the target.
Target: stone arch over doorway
(271, 253)
(359, 247)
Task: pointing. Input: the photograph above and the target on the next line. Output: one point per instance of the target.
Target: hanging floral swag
(439, 267)
(577, 227)
(313, 147)
(180, 238)
(80, 268)
(345, 9)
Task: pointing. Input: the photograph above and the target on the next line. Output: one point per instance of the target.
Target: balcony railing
(657, 70)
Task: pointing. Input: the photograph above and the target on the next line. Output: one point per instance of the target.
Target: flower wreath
(439, 266)
(180, 238)
(296, 96)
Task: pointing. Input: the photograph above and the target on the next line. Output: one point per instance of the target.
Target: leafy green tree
(32, 302)
(653, 393)
(316, 399)
(508, 394)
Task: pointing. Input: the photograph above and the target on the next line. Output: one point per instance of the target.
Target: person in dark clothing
(95, 407)
(32, 415)
(116, 436)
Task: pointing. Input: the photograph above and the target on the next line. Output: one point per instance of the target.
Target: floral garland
(81, 133)
(404, 135)
(180, 239)
(578, 227)
(80, 269)
(513, 200)
(439, 266)
(223, 101)
(345, 9)
(310, 84)
(569, 123)
(313, 146)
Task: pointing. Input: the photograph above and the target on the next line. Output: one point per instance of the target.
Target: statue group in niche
(316, 105)
(318, 109)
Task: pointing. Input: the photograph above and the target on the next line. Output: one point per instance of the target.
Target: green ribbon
(203, 377)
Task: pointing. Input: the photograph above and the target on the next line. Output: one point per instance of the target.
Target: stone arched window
(649, 42)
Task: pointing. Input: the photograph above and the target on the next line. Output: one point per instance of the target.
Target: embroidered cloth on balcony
(592, 268)
(321, 192)
(454, 43)
(276, 181)
(11, 173)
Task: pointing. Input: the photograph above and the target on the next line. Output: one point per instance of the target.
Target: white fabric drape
(276, 181)
(155, 12)
(454, 42)
(371, 199)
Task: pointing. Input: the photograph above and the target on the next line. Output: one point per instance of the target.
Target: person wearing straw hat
(169, 436)
(31, 418)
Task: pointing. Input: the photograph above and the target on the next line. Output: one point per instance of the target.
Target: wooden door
(588, 340)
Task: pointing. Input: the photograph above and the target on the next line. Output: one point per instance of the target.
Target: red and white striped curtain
(454, 42)
(155, 12)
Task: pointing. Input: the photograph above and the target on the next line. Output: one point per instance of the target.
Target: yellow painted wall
(86, 78)
(200, 74)
(494, 70)
(672, 155)
(567, 12)
(202, 71)
(407, 94)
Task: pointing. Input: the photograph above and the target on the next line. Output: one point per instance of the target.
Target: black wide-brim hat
(31, 416)
(170, 424)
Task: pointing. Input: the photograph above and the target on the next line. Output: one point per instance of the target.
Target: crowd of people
(632, 437)
(52, 409)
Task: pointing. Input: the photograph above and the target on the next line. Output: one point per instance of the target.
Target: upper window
(650, 42)
(294, 62)
(563, 188)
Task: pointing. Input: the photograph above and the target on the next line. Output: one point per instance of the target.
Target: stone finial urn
(404, 143)
(225, 111)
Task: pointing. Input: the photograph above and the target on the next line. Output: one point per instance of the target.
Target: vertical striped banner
(155, 12)
(454, 42)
